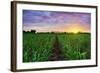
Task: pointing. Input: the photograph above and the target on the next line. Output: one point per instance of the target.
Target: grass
(37, 47)
(75, 46)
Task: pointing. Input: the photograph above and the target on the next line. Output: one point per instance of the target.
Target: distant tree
(34, 31)
(27, 31)
(47, 32)
(52, 32)
(24, 31)
(80, 32)
(64, 32)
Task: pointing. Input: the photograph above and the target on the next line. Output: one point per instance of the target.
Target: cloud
(52, 20)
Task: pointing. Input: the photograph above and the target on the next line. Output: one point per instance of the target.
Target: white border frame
(36, 65)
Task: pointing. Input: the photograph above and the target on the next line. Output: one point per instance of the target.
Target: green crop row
(76, 46)
(36, 47)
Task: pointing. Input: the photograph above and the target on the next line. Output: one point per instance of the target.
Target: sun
(75, 28)
(75, 31)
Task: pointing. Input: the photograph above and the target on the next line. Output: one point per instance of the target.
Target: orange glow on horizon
(75, 28)
(69, 28)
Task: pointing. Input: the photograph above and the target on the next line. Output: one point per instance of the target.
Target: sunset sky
(48, 21)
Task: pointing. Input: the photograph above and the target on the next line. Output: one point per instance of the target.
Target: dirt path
(56, 52)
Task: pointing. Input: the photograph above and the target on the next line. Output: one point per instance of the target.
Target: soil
(56, 51)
